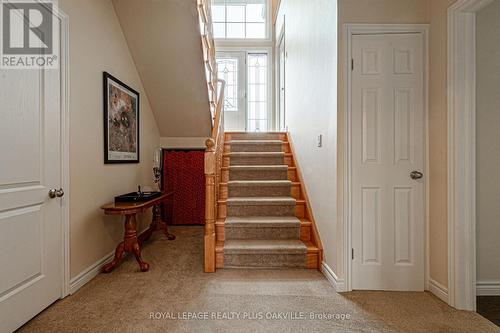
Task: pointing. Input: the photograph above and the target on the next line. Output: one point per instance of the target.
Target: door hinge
(352, 64)
(352, 254)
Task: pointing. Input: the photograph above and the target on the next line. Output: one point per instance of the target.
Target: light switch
(320, 141)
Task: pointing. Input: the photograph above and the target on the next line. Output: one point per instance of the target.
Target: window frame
(268, 29)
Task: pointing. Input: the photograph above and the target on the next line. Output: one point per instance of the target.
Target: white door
(30, 221)
(231, 68)
(281, 84)
(387, 104)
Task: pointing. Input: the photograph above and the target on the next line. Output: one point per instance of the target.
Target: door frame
(462, 153)
(65, 149)
(269, 50)
(281, 39)
(372, 29)
(241, 88)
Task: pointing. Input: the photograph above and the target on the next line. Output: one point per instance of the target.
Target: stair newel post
(210, 204)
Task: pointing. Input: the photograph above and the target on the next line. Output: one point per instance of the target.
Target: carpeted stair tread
(255, 142)
(258, 167)
(259, 183)
(256, 154)
(259, 188)
(257, 136)
(257, 201)
(263, 222)
(252, 246)
(256, 158)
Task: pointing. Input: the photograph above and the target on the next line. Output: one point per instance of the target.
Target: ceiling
(164, 39)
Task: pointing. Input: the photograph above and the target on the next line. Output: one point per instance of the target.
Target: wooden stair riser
(313, 260)
(305, 232)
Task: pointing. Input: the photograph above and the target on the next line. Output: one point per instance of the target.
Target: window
(227, 69)
(240, 19)
(257, 92)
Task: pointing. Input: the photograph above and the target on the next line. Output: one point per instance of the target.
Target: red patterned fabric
(183, 173)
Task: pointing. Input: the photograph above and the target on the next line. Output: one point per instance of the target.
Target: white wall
(488, 143)
(311, 99)
(97, 44)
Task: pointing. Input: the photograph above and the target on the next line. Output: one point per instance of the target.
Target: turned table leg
(156, 225)
(108, 268)
(130, 244)
(160, 225)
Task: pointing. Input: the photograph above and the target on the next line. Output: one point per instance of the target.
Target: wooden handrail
(214, 144)
(213, 172)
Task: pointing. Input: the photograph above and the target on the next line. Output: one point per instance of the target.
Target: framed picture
(121, 122)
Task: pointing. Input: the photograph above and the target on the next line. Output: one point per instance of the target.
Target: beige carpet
(124, 300)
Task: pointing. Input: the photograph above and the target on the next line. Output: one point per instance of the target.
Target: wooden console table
(131, 242)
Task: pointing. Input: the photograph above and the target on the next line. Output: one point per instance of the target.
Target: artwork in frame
(121, 122)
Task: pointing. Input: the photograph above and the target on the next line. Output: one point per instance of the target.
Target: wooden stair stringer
(314, 245)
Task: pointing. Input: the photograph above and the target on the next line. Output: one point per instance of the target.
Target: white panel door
(231, 68)
(387, 127)
(30, 221)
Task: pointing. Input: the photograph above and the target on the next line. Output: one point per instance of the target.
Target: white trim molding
(91, 272)
(337, 283)
(438, 290)
(488, 288)
(461, 152)
(360, 29)
(65, 138)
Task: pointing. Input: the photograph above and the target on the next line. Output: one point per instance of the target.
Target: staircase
(264, 220)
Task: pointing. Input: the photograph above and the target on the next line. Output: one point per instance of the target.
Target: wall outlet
(320, 141)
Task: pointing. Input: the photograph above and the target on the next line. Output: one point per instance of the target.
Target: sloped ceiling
(164, 39)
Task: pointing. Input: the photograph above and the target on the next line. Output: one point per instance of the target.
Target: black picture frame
(121, 122)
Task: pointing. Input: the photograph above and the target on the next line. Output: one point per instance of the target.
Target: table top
(125, 208)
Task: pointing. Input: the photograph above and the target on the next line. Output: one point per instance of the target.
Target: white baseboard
(337, 283)
(488, 288)
(91, 272)
(438, 290)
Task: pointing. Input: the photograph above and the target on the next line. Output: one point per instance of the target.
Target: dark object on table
(137, 197)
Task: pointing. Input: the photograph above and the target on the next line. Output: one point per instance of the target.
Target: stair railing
(208, 47)
(213, 174)
(214, 144)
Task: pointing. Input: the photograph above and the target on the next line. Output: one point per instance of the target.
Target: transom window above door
(240, 19)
